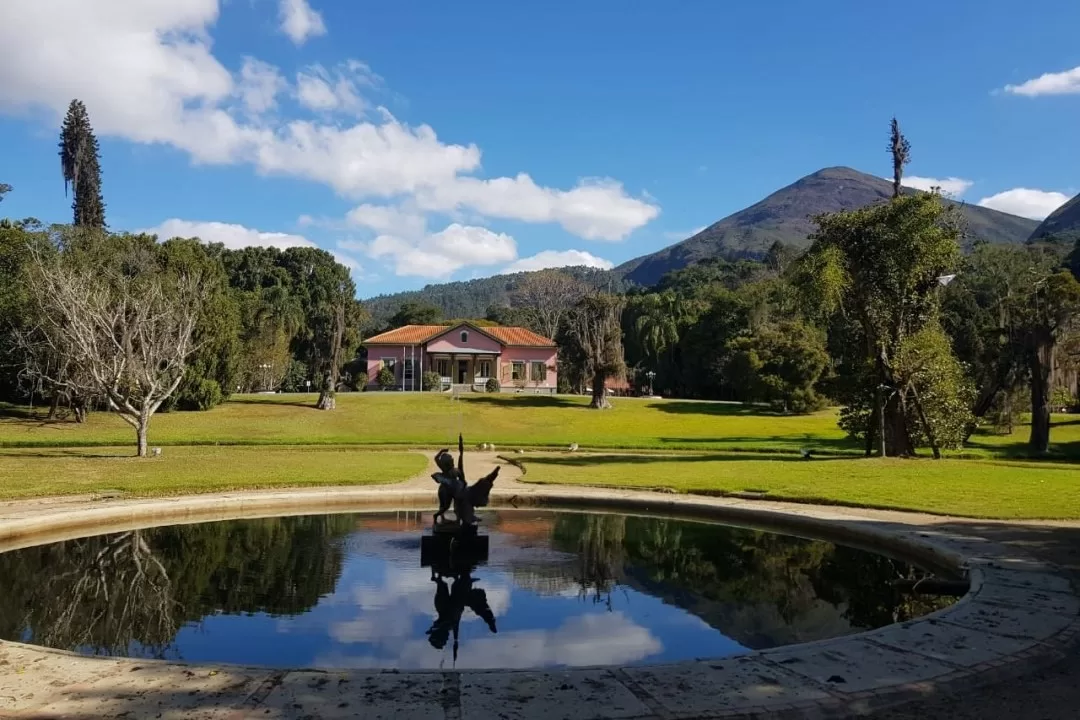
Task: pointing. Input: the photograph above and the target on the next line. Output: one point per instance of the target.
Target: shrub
(360, 381)
(203, 395)
(386, 378)
(431, 381)
(492, 385)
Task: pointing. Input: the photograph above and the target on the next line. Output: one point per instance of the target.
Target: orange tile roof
(518, 336)
(407, 335)
(417, 334)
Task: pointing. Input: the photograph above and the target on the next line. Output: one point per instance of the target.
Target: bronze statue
(455, 489)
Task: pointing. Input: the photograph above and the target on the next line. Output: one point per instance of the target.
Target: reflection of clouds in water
(388, 612)
(591, 639)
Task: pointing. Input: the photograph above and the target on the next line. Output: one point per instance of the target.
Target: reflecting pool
(548, 589)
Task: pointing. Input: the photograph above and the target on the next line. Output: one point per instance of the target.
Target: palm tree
(658, 324)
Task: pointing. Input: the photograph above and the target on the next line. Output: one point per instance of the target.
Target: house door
(462, 371)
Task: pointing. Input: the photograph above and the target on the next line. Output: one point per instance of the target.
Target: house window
(483, 369)
(407, 369)
(539, 372)
(517, 370)
(389, 362)
(464, 336)
(442, 366)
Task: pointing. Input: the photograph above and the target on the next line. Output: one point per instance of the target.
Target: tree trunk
(140, 433)
(54, 405)
(599, 392)
(926, 424)
(327, 400)
(1042, 382)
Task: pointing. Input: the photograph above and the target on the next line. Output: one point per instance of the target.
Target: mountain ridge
(1063, 223)
(786, 216)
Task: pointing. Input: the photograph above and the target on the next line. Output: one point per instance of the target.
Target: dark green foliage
(415, 313)
(386, 378)
(360, 381)
(431, 380)
(778, 365)
(4, 190)
(295, 379)
(478, 298)
(81, 167)
(492, 385)
(881, 266)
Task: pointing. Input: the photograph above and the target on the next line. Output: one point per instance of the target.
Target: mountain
(472, 298)
(1063, 223)
(786, 216)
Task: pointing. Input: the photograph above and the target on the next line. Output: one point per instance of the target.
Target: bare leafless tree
(122, 332)
(596, 327)
(546, 298)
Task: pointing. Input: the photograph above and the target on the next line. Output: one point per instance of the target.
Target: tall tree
(121, 324)
(545, 299)
(81, 167)
(4, 190)
(880, 265)
(900, 149)
(596, 329)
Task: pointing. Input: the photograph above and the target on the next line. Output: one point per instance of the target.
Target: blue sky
(430, 141)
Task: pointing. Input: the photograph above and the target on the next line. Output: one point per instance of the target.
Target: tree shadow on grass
(1062, 452)
(505, 400)
(81, 453)
(773, 444)
(268, 401)
(590, 460)
(712, 407)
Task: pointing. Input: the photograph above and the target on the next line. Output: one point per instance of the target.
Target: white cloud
(387, 219)
(321, 90)
(441, 254)
(596, 209)
(950, 186)
(231, 236)
(259, 85)
(1026, 202)
(1059, 83)
(147, 73)
(599, 638)
(557, 259)
(299, 21)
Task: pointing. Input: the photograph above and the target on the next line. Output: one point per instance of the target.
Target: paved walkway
(1020, 618)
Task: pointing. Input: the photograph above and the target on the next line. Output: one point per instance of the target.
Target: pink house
(464, 354)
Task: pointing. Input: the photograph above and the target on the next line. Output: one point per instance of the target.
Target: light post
(265, 367)
(308, 384)
(650, 375)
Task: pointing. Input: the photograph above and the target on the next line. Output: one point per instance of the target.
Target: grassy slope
(427, 420)
(976, 488)
(57, 471)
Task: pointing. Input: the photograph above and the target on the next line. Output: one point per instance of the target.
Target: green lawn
(509, 421)
(975, 488)
(67, 471)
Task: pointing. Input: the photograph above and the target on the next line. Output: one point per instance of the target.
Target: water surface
(555, 589)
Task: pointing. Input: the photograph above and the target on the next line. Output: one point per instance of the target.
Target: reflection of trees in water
(866, 584)
(599, 543)
(129, 593)
(757, 587)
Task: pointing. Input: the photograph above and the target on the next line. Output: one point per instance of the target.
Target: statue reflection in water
(455, 549)
(452, 559)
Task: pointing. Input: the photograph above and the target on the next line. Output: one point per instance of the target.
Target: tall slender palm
(658, 325)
